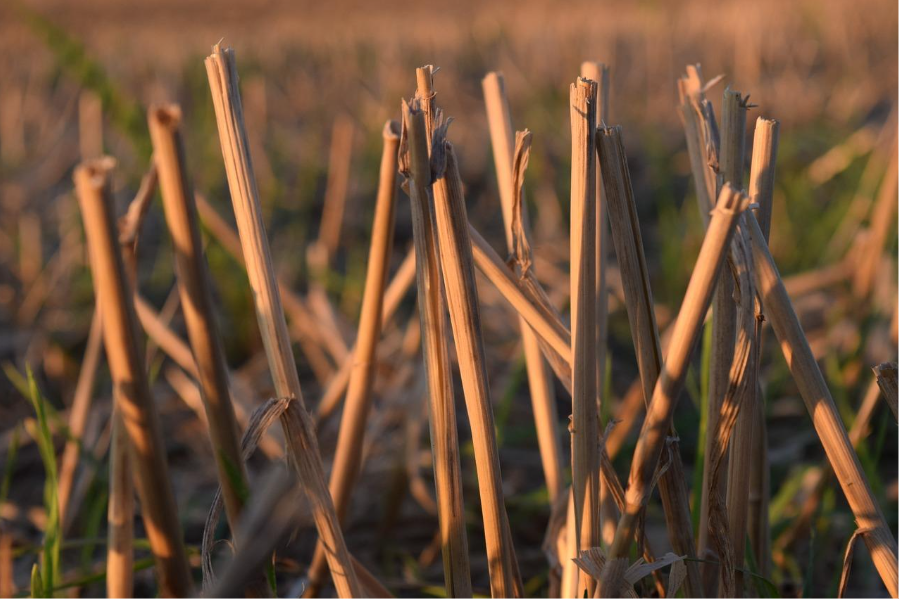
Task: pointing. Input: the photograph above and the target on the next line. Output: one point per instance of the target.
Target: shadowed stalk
(686, 331)
(126, 364)
(197, 305)
(740, 458)
(540, 384)
(120, 514)
(348, 454)
(829, 427)
(296, 421)
(441, 410)
(641, 317)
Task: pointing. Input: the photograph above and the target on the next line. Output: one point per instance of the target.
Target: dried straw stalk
(126, 364)
(197, 305)
(671, 380)
(644, 332)
(441, 410)
(297, 423)
(762, 193)
(826, 420)
(582, 268)
(120, 514)
(348, 455)
(458, 271)
(540, 384)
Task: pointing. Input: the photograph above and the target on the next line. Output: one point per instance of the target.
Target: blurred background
(319, 79)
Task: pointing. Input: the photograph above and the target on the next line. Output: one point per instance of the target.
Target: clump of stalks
(645, 461)
(441, 412)
(642, 319)
(734, 274)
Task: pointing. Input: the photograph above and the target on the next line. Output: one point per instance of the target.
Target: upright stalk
(348, 455)
(296, 421)
(582, 266)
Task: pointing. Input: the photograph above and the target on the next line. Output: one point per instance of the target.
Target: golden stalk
(296, 421)
(644, 332)
(126, 364)
(540, 384)
(348, 454)
(686, 330)
(441, 410)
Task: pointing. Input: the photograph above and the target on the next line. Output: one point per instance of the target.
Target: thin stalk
(540, 384)
(197, 306)
(296, 421)
(686, 331)
(348, 455)
(126, 364)
(441, 410)
(644, 332)
(826, 420)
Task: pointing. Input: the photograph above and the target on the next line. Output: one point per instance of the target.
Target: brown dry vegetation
(480, 422)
